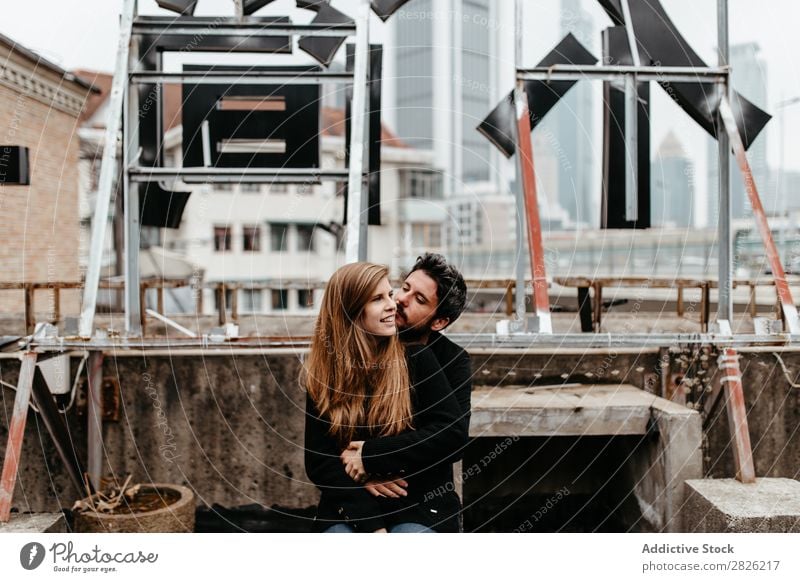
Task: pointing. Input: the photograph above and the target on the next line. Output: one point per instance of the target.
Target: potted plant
(144, 507)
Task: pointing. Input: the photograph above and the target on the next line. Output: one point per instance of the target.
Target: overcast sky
(83, 33)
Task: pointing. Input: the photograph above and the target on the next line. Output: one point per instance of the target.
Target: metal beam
(760, 216)
(520, 306)
(108, 172)
(737, 415)
(248, 28)
(541, 299)
(133, 324)
(236, 175)
(616, 73)
(16, 432)
(249, 77)
(725, 252)
(95, 417)
(356, 243)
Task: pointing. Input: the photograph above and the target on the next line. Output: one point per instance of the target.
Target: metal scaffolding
(124, 108)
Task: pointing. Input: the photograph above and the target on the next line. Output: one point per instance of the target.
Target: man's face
(416, 306)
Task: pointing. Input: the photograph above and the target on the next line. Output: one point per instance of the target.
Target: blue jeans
(408, 527)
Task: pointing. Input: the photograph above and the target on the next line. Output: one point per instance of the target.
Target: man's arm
(439, 427)
(459, 375)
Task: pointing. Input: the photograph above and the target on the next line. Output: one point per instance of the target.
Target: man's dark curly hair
(451, 290)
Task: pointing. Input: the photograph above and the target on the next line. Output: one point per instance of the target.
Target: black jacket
(422, 456)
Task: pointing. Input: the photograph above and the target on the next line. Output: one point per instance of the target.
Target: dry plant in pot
(143, 507)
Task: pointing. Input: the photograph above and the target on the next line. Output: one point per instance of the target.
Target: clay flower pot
(157, 507)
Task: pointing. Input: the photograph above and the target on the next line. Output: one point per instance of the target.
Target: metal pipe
(725, 236)
(108, 173)
(133, 308)
(246, 29)
(250, 77)
(519, 223)
(95, 418)
(356, 245)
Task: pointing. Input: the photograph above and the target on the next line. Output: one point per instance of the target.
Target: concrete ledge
(578, 410)
(770, 505)
(35, 523)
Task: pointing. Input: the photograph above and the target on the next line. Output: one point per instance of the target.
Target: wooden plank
(16, 432)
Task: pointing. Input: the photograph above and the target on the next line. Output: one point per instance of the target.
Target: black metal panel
(159, 207)
(374, 130)
(202, 42)
(616, 51)
(314, 5)
(385, 8)
(14, 165)
(324, 48)
(661, 43)
(251, 6)
(298, 125)
(185, 7)
(498, 126)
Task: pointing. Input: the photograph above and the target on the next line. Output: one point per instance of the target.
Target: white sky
(83, 33)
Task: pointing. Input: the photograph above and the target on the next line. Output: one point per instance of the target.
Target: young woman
(363, 384)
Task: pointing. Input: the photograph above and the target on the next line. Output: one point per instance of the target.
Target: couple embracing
(388, 400)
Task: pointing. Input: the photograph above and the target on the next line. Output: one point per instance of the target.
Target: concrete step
(566, 410)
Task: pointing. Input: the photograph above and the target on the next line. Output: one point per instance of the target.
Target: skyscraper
(672, 176)
(444, 84)
(572, 128)
(749, 78)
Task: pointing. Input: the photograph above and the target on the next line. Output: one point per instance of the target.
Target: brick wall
(39, 223)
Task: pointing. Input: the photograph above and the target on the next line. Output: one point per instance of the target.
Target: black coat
(422, 456)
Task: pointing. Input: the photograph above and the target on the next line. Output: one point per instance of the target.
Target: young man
(432, 297)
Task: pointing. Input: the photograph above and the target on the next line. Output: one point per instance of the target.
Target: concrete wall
(230, 425)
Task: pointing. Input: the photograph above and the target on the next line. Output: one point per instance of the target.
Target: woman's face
(378, 315)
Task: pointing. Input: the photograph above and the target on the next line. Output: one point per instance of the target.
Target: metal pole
(773, 257)
(519, 288)
(108, 172)
(16, 432)
(524, 153)
(133, 307)
(631, 124)
(356, 246)
(725, 235)
(95, 418)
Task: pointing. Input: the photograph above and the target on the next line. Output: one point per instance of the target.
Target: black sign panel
(262, 126)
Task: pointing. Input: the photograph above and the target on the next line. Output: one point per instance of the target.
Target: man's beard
(415, 333)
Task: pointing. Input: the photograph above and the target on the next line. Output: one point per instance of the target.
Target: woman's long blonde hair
(356, 379)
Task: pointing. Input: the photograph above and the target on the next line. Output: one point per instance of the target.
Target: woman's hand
(353, 465)
(393, 488)
(382, 530)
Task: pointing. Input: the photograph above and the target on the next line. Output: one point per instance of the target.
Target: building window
(228, 299)
(277, 237)
(305, 238)
(149, 236)
(305, 298)
(251, 300)
(250, 187)
(278, 188)
(222, 238)
(251, 239)
(426, 235)
(424, 185)
(280, 299)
